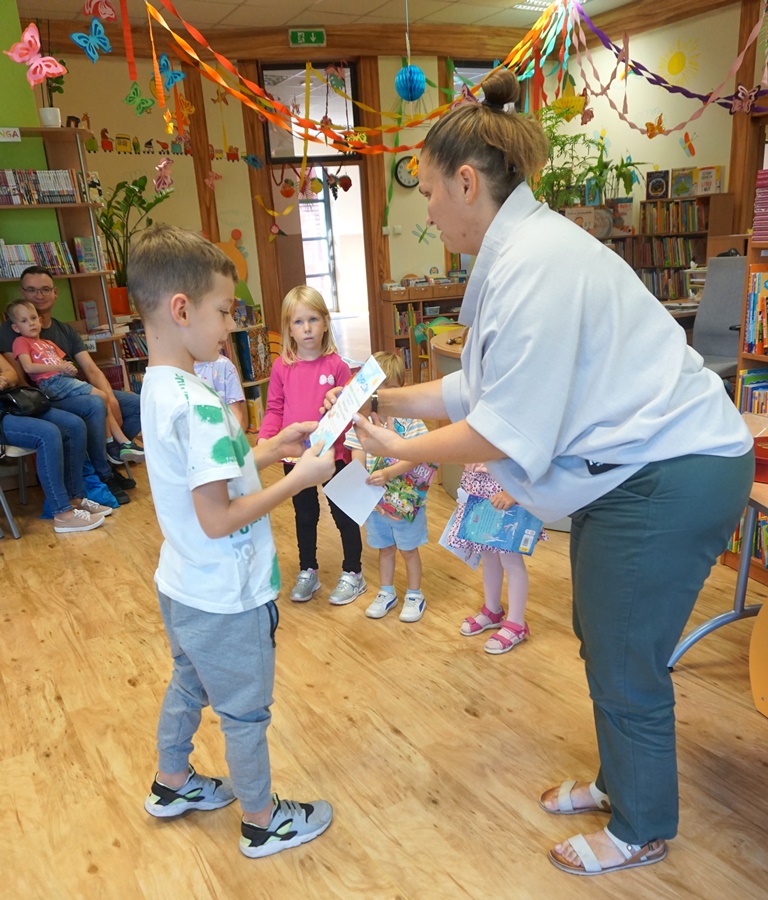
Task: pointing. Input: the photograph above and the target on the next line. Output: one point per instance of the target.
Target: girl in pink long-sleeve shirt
(308, 367)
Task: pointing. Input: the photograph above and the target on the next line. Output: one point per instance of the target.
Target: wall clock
(403, 175)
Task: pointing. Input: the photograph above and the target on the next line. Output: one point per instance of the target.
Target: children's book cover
(684, 182)
(657, 185)
(711, 179)
(406, 493)
(513, 530)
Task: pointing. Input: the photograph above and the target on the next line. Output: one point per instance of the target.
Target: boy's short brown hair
(16, 303)
(165, 260)
(392, 366)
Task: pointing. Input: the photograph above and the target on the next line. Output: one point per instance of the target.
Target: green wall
(19, 107)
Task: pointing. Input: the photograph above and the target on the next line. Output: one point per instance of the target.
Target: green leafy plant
(561, 181)
(125, 212)
(604, 178)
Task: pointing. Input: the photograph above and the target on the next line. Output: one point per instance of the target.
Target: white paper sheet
(336, 421)
(349, 491)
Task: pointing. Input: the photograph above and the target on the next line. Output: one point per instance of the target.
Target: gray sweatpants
(227, 661)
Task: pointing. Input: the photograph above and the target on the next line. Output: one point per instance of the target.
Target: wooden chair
(18, 454)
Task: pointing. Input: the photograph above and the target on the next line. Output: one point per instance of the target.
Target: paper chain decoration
(27, 51)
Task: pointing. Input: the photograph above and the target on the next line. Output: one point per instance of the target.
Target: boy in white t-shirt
(217, 578)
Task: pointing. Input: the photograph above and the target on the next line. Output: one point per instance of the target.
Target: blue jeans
(58, 438)
(93, 412)
(227, 661)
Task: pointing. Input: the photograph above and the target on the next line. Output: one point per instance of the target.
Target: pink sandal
(471, 626)
(505, 644)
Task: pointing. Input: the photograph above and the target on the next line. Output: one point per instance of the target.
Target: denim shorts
(59, 387)
(382, 532)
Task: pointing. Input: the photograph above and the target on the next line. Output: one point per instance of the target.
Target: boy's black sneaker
(291, 824)
(117, 492)
(127, 484)
(198, 792)
(113, 452)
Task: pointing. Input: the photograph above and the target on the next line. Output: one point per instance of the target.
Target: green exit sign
(306, 37)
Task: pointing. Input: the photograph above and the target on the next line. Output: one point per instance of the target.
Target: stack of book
(760, 219)
(27, 187)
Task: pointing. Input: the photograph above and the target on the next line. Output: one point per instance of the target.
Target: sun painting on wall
(681, 62)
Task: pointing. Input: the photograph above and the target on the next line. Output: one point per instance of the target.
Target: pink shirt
(296, 393)
(41, 352)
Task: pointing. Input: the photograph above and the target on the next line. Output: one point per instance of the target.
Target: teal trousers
(639, 557)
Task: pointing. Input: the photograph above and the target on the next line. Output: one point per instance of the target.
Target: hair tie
(497, 107)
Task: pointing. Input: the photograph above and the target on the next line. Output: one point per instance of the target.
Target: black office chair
(716, 326)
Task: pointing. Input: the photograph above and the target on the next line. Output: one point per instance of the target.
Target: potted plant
(50, 115)
(603, 178)
(561, 181)
(124, 213)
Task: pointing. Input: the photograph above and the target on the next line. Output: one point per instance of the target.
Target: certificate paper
(350, 493)
(336, 421)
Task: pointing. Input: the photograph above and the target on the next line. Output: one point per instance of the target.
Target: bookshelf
(21, 195)
(412, 306)
(672, 234)
(748, 397)
(249, 350)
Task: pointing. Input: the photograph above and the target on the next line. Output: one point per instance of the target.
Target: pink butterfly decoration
(466, 96)
(163, 178)
(743, 99)
(102, 9)
(211, 178)
(27, 51)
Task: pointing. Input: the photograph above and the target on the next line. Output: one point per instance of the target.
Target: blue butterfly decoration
(169, 75)
(256, 162)
(93, 43)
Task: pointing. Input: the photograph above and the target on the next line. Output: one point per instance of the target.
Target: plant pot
(50, 116)
(118, 301)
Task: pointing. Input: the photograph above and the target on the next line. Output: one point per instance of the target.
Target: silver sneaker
(307, 583)
(381, 605)
(414, 605)
(292, 824)
(349, 588)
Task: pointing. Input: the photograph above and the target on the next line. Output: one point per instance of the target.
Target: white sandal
(634, 855)
(565, 805)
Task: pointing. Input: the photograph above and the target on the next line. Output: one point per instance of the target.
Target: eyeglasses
(43, 290)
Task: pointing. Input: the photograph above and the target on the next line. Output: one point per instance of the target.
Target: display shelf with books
(673, 235)
(751, 393)
(60, 187)
(414, 305)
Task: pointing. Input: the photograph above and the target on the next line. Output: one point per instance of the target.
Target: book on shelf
(29, 187)
(711, 179)
(622, 213)
(95, 193)
(684, 182)
(657, 184)
(86, 254)
(255, 413)
(89, 313)
(752, 390)
(755, 337)
(52, 255)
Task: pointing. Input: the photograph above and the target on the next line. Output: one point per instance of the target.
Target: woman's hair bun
(501, 87)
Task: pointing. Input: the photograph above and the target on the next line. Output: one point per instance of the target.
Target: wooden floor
(432, 752)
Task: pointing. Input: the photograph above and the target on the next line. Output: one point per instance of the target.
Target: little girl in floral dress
(512, 629)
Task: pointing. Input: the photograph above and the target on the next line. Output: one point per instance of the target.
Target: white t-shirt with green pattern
(191, 439)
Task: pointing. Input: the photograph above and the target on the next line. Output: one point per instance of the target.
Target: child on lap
(46, 365)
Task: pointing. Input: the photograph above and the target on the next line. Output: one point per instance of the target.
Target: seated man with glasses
(37, 286)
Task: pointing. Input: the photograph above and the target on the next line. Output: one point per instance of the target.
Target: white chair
(18, 454)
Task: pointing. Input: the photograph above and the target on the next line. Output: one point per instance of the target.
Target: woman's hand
(378, 441)
(503, 501)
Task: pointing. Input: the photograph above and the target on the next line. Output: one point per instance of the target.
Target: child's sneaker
(131, 452)
(414, 605)
(349, 588)
(306, 585)
(291, 824)
(198, 792)
(381, 605)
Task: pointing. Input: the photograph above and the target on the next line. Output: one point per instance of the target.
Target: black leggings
(306, 505)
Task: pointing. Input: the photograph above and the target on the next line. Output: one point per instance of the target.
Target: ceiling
(233, 14)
